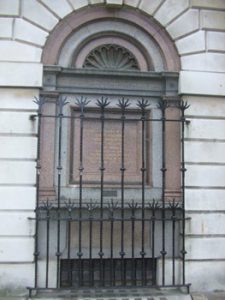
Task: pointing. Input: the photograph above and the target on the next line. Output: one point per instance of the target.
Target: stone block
(211, 19)
(205, 176)
(133, 3)
(18, 147)
(25, 31)
(9, 8)
(11, 98)
(17, 123)
(204, 152)
(17, 198)
(18, 172)
(17, 223)
(97, 1)
(78, 3)
(206, 275)
(38, 14)
(191, 43)
(114, 2)
(206, 129)
(16, 249)
(16, 277)
(205, 106)
(20, 74)
(211, 62)
(216, 41)
(205, 199)
(205, 247)
(202, 83)
(215, 4)
(149, 6)
(205, 223)
(16, 51)
(185, 24)
(60, 7)
(170, 10)
(6, 27)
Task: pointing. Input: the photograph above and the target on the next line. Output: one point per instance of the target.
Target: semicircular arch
(83, 30)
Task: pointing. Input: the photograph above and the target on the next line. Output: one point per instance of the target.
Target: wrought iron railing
(117, 242)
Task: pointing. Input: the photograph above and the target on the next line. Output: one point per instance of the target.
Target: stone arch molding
(75, 36)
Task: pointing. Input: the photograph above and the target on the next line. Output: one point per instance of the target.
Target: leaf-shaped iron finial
(69, 205)
(173, 204)
(40, 102)
(133, 205)
(183, 105)
(154, 205)
(123, 104)
(143, 104)
(62, 101)
(102, 102)
(163, 105)
(82, 102)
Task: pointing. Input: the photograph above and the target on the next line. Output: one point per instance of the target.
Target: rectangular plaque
(112, 148)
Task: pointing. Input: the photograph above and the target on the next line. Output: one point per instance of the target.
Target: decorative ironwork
(111, 57)
(87, 241)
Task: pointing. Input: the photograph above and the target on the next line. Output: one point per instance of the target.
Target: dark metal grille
(111, 272)
(110, 243)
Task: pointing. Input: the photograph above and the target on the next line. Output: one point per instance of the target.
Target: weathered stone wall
(198, 30)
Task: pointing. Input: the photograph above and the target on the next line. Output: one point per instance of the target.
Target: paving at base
(117, 294)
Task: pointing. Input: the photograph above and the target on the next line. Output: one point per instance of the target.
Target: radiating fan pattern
(111, 57)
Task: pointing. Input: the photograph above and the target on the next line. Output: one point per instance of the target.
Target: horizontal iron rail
(33, 116)
(108, 219)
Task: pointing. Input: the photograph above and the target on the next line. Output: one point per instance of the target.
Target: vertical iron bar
(68, 253)
(173, 217)
(123, 104)
(183, 107)
(143, 105)
(91, 271)
(153, 245)
(122, 253)
(133, 207)
(80, 195)
(102, 103)
(163, 106)
(154, 205)
(82, 102)
(47, 243)
(61, 103)
(111, 243)
(69, 207)
(40, 102)
(102, 169)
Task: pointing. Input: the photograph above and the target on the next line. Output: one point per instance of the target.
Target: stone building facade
(186, 37)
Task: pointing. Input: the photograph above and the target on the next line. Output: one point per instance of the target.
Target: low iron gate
(110, 243)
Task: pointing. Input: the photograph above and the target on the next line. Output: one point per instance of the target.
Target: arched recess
(92, 24)
(105, 55)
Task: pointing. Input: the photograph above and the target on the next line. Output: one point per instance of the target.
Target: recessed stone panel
(112, 149)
